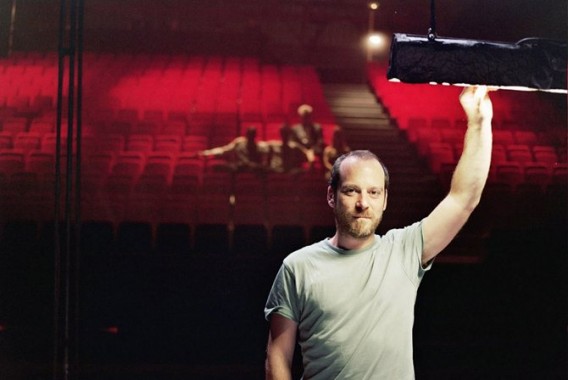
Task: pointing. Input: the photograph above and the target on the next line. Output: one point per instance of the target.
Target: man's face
(306, 118)
(361, 198)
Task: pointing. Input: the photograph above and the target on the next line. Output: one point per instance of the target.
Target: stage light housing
(530, 64)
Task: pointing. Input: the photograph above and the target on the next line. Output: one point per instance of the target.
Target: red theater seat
(167, 143)
(452, 135)
(40, 162)
(249, 199)
(559, 174)
(283, 200)
(27, 141)
(509, 173)
(128, 164)
(14, 125)
(545, 154)
(127, 115)
(519, 153)
(98, 164)
(174, 127)
(214, 198)
(194, 143)
(424, 137)
(161, 164)
(440, 154)
(503, 137)
(6, 141)
(440, 123)
(189, 163)
(525, 137)
(12, 161)
(148, 127)
(42, 126)
(140, 143)
(537, 174)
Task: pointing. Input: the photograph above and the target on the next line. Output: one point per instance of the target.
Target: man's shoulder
(304, 254)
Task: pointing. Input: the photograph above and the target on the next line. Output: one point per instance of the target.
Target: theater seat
(250, 240)
(211, 239)
(286, 238)
(173, 239)
(97, 238)
(134, 238)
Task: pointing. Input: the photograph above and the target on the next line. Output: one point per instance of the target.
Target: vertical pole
(66, 276)
(12, 27)
(370, 31)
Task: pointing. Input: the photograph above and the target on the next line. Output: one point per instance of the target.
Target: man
(337, 148)
(350, 298)
(307, 133)
(243, 153)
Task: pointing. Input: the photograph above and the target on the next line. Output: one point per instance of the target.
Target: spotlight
(373, 5)
(530, 64)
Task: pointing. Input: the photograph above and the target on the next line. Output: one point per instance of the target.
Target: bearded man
(349, 299)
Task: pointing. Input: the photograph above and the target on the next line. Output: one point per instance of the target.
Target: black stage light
(530, 64)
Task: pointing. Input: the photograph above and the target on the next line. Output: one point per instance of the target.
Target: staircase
(413, 189)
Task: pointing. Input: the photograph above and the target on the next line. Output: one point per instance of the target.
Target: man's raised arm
(468, 181)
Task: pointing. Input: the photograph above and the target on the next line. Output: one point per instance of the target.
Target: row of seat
(32, 142)
(527, 110)
(520, 154)
(218, 198)
(511, 173)
(500, 208)
(102, 238)
(443, 129)
(196, 84)
(175, 136)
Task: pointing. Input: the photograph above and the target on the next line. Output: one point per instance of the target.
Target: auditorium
(160, 159)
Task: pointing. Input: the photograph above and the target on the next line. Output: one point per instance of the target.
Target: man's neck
(350, 243)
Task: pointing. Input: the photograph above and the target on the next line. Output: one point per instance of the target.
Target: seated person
(243, 153)
(287, 155)
(307, 133)
(337, 148)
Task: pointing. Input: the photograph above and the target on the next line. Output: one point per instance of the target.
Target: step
(354, 122)
(359, 112)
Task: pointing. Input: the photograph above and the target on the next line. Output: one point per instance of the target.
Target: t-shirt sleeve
(283, 299)
(413, 245)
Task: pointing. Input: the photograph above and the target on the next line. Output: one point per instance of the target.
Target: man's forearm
(277, 368)
(473, 167)
(472, 170)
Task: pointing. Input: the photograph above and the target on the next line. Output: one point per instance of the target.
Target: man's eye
(375, 193)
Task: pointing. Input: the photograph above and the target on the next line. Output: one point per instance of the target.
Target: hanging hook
(432, 30)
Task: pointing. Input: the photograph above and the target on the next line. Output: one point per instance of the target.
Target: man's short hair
(335, 177)
(305, 108)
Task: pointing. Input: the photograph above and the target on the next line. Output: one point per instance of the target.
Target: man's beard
(356, 228)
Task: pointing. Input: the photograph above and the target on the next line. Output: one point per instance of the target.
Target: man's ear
(386, 198)
(330, 197)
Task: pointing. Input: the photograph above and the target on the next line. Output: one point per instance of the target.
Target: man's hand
(476, 104)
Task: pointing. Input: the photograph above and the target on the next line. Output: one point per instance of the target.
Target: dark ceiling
(320, 32)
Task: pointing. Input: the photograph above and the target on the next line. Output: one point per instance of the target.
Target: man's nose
(362, 202)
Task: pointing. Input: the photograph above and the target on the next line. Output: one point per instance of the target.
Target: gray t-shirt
(354, 309)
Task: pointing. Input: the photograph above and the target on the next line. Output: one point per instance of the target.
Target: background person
(243, 153)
